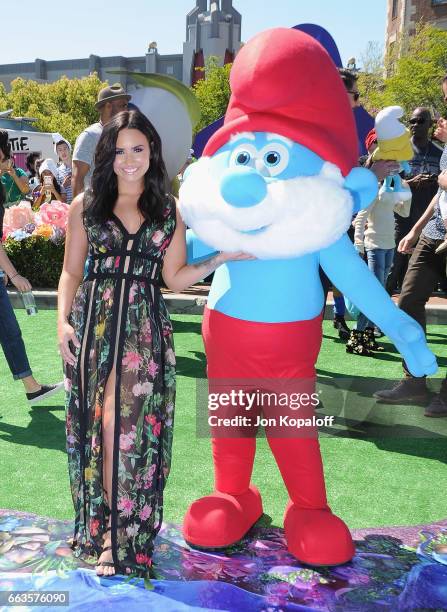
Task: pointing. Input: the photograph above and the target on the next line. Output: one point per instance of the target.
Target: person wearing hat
(111, 101)
(49, 188)
(62, 148)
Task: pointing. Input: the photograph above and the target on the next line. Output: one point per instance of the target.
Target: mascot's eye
(272, 158)
(276, 160)
(243, 158)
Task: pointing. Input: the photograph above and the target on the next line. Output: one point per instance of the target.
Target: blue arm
(352, 277)
(196, 250)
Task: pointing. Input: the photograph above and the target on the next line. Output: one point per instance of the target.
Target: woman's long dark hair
(100, 199)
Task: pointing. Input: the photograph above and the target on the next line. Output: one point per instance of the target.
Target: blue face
(271, 155)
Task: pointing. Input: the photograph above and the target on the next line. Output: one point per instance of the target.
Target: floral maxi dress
(121, 321)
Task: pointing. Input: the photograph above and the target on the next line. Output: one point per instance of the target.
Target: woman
(14, 180)
(33, 176)
(64, 169)
(10, 335)
(116, 338)
(49, 188)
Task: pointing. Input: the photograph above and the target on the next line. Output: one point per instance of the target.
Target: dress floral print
(121, 321)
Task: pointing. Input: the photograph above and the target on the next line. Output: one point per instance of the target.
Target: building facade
(404, 15)
(213, 27)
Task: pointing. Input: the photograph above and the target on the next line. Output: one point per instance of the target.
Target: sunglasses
(417, 121)
(355, 95)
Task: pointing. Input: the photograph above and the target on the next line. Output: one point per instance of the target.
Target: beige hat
(111, 93)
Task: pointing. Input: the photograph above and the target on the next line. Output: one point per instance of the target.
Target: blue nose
(243, 187)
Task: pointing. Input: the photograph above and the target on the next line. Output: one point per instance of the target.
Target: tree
(66, 106)
(416, 76)
(371, 79)
(213, 92)
(414, 67)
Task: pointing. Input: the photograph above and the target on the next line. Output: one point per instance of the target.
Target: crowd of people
(403, 242)
(116, 183)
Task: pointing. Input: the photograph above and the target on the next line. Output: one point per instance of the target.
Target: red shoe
(317, 537)
(220, 520)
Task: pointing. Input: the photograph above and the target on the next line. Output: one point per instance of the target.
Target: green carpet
(383, 481)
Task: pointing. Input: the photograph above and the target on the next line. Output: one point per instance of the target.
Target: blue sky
(59, 30)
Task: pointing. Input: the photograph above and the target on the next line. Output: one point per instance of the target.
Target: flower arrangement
(50, 221)
(35, 240)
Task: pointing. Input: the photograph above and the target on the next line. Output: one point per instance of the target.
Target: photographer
(14, 180)
(49, 188)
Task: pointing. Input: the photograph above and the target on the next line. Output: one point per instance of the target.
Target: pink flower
(117, 261)
(142, 389)
(132, 361)
(53, 213)
(126, 442)
(126, 506)
(146, 331)
(143, 559)
(107, 294)
(16, 217)
(94, 524)
(158, 237)
(152, 368)
(150, 418)
(67, 384)
(145, 512)
(156, 429)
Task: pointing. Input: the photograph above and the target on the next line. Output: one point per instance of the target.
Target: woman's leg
(12, 344)
(108, 432)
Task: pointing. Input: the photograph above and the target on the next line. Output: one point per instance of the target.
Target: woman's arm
(19, 282)
(76, 249)
(38, 201)
(177, 274)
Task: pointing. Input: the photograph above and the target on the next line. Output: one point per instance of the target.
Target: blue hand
(350, 274)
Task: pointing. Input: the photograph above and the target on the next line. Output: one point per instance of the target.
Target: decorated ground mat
(396, 569)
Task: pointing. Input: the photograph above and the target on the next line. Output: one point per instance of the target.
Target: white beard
(300, 215)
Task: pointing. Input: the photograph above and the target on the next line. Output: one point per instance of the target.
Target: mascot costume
(279, 181)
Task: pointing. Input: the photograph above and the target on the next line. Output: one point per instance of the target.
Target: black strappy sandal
(105, 549)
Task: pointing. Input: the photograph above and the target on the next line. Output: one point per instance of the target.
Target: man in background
(111, 101)
(423, 182)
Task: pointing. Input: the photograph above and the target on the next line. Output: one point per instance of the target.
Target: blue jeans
(379, 262)
(11, 338)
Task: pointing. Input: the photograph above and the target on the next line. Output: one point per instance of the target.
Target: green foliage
(213, 92)
(415, 67)
(3, 98)
(37, 259)
(416, 75)
(65, 106)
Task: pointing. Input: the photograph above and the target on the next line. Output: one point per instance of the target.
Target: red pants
(237, 349)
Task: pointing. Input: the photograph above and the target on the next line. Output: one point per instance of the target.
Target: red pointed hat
(283, 81)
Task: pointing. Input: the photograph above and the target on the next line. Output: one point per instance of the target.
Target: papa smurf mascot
(279, 181)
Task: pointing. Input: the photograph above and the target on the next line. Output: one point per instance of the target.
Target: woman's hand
(66, 334)
(21, 283)
(239, 256)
